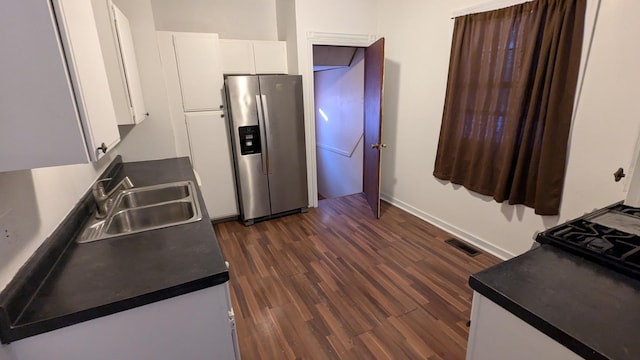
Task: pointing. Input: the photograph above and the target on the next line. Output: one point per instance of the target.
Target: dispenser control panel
(250, 140)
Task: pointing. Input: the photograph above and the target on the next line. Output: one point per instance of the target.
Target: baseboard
(454, 230)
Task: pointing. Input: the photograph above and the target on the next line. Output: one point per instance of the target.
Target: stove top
(610, 236)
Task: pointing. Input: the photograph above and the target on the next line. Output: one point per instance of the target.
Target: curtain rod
(486, 6)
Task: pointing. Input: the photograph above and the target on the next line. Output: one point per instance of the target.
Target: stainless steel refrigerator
(265, 114)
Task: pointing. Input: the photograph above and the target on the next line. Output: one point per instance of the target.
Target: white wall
(154, 137)
(335, 16)
(33, 203)
(339, 93)
(286, 22)
(231, 19)
(418, 35)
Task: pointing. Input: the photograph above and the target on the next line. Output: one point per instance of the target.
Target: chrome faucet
(104, 200)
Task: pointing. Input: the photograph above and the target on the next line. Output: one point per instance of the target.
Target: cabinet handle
(221, 107)
(221, 115)
(102, 148)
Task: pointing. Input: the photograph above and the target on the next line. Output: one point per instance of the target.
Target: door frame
(320, 38)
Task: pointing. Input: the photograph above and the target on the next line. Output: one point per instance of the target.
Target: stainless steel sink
(149, 195)
(136, 219)
(146, 208)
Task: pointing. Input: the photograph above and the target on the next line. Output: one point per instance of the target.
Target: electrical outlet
(6, 235)
(4, 231)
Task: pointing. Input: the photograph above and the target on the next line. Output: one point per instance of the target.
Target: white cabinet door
(237, 56)
(270, 57)
(201, 80)
(55, 102)
(212, 159)
(253, 56)
(88, 75)
(112, 59)
(498, 334)
(130, 68)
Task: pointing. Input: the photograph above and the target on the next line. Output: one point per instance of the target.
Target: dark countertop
(586, 307)
(106, 276)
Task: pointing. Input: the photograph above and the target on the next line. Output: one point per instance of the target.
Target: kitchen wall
(231, 19)
(286, 20)
(339, 94)
(33, 203)
(604, 132)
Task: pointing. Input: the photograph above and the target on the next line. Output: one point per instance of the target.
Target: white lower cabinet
(213, 161)
(196, 325)
(498, 334)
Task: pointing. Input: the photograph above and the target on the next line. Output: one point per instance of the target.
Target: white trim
(632, 185)
(635, 160)
(306, 70)
(486, 6)
(452, 229)
(338, 150)
(333, 149)
(328, 38)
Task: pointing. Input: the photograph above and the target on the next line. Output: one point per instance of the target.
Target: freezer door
(287, 167)
(245, 118)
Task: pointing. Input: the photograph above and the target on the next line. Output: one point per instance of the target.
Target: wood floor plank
(336, 283)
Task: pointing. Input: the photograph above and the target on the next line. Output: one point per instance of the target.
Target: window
(509, 102)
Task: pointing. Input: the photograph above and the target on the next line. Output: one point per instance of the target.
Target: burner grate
(606, 245)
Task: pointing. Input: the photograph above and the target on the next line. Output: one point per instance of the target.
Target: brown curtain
(509, 102)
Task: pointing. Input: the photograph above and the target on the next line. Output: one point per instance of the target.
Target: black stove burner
(606, 245)
(598, 244)
(593, 236)
(626, 210)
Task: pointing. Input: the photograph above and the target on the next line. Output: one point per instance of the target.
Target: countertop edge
(534, 320)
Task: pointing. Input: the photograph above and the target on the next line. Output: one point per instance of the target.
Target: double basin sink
(145, 208)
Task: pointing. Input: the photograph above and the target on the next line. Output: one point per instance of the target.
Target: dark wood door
(373, 82)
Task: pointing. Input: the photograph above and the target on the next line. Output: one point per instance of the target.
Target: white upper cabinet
(201, 81)
(270, 57)
(55, 103)
(129, 63)
(253, 56)
(88, 75)
(237, 56)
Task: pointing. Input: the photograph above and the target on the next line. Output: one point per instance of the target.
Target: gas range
(609, 236)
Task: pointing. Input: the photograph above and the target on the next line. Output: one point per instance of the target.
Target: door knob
(378, 146)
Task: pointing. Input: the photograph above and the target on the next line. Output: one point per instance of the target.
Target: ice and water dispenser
(250, 140)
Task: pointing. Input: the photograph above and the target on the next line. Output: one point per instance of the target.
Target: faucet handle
(127, 183)
(98, 187)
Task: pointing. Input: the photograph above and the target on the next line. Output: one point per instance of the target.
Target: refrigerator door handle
(265, 110)
(261, 124)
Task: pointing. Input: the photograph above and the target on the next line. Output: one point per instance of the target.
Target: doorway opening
(339, 126)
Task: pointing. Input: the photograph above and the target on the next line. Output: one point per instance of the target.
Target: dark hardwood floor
(335, 283)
